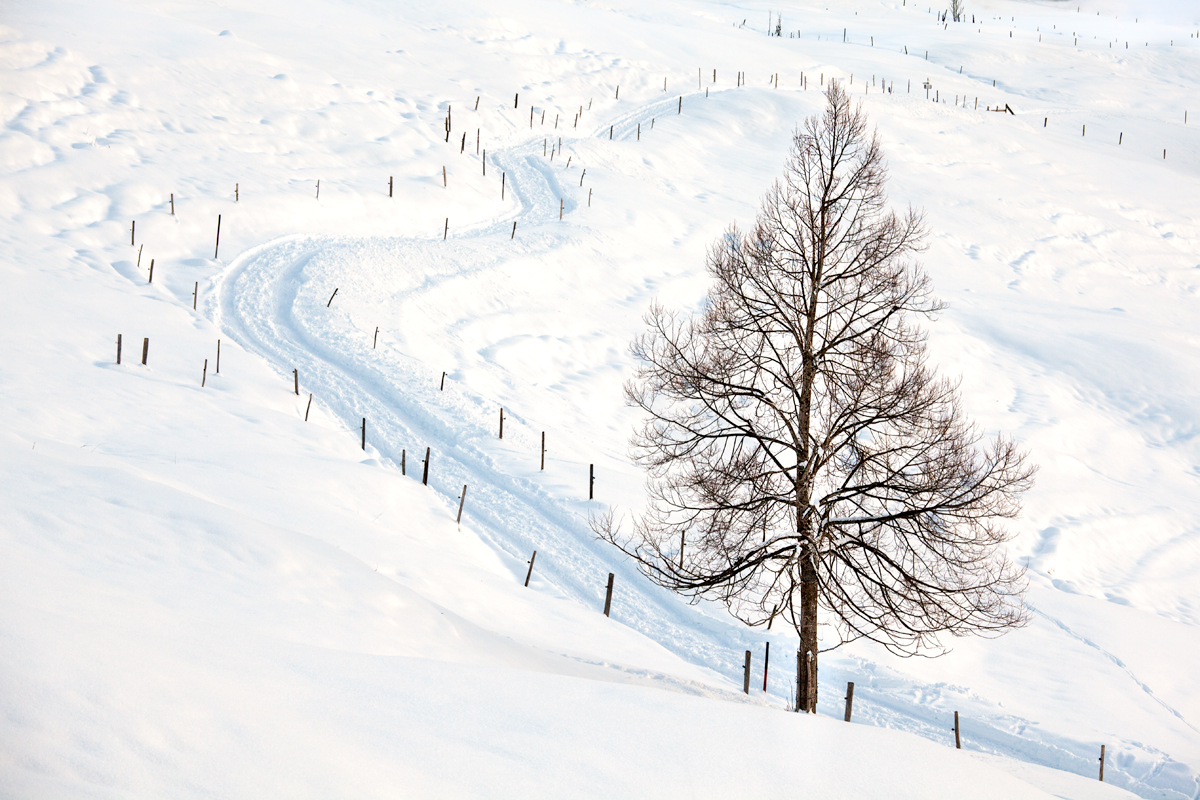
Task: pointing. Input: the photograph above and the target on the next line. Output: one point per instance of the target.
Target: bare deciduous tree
(800, 451)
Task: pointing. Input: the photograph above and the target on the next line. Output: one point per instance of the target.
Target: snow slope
(206, 595)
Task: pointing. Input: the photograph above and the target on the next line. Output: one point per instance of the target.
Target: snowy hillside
(216, 591)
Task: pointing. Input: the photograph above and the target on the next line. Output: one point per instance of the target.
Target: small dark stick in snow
(957, 735)
(335, 291)
(235, 193)
(172, 204)
(218, 245)
(444, 182)
(375, 341)
(591, 481)
(218, 370)
(195, 294)
(589, 198)
(446, 230)
(680, 111)
(485, 163)
(145, 350)
(119, 361)
(296, 379)
(425, 473)
(151, 271)
(766, 665)
(543, 432)
(461, 501)
(403, 454)
(608, 595)
(610, 131)
(308, 407)
(1102, 763)
(390, 178)
(503, 182)
(364, 433)
(318, 190)
(442, 387)
(502, 423)
(476, 102)
(581, 176)
(515, 96)
(463, 149)
(514, 232)
(139, 258)
(618, 96)
(132, 228)
(204, 374)
(849, 699)
(746, 675)
(560, 209)
(529, 574)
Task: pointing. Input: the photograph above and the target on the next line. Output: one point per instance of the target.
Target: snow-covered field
(204, 595)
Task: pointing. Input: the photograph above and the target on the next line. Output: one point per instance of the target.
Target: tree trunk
(807, 690)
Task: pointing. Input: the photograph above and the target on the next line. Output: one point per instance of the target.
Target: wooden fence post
(849, 699)
(529, 574)
(217, 247)
(957, 734)
(195, 294)
(364, 433)
(218, 356)
(308, 407)
(591, 481)
(132, 228)
(502, 423)
(390, 178)
(425, 473)
(375, 341)
(145, 350)
(204, 374)
(172, 204)
(608, 595)
(1101, 763)
(767, 656)
(461, 500)
(746, 676)
(442, 387)
(151, 271)
(543, 467)
(119, 361)
(296, 380)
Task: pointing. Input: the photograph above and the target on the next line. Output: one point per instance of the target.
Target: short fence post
(608, 595)
(296, 379)
(119, 361)
(461, 500)
(591, 481)
(849, 699)
(204, 375)
(364, 433)
(766, 665)
(957, 735)
(145, 350)
(543, 446)
(1101, 763)
(529, 574)
(425, 472)
(746, 676)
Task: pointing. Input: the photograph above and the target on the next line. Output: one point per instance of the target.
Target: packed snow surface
(430, 212)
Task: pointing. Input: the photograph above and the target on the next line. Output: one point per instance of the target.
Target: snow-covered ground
(202, 594)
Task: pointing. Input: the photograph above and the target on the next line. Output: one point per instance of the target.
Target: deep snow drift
(206, 595)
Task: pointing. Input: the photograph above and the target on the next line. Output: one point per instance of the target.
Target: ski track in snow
(272, 301)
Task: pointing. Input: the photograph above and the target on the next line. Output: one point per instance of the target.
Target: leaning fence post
(145, 350)
(746, 676)
(608, 595)
(529, 574)
(461, 500)
(849, 699)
